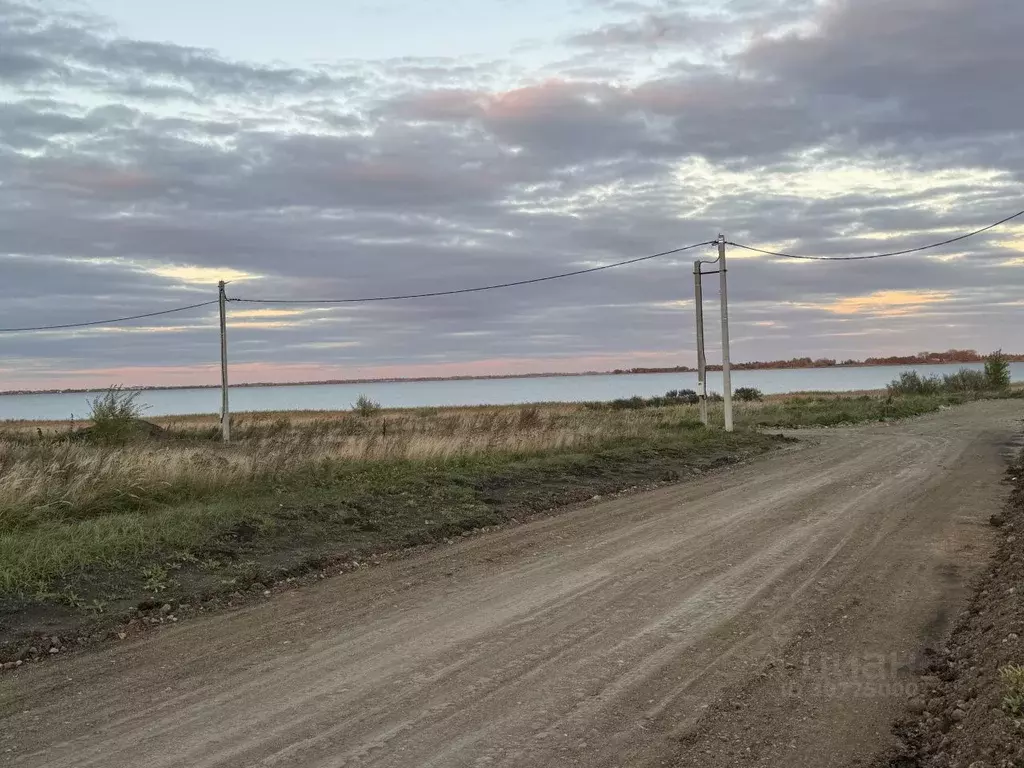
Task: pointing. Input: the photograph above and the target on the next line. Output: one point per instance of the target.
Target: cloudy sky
(312, 149)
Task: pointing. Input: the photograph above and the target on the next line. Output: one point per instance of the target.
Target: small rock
(55, 649)
(917, 706)
(958, 715)
(266, 593)
(166, 608)
(978, 764)
(9, 665)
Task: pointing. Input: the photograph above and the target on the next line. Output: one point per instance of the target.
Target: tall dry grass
(50, 478)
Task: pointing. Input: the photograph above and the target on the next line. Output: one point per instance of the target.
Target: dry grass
(317, 482)
(46, 476)
(49, 479)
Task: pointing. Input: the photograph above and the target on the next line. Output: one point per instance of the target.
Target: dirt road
(766, 615)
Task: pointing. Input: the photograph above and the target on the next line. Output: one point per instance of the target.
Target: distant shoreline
(780, 365)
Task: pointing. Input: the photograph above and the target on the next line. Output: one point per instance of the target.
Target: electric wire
(476, 289)
(880, 255)
(112, 321)
(531, 281)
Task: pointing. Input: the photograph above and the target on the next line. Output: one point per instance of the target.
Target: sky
(308, 150)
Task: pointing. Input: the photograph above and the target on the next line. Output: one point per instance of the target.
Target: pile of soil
(135, 429)
(960, 720)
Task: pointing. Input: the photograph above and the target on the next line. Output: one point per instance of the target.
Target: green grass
(830, 412)
(84, 523)
(1013, 681)
(348, 506)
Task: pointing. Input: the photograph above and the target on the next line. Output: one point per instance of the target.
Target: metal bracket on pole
(225, 412)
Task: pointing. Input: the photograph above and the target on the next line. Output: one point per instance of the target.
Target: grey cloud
(445, 174)
(72, 49)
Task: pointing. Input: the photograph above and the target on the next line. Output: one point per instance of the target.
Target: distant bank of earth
(950, 357)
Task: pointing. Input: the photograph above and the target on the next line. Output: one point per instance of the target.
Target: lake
(412, 394)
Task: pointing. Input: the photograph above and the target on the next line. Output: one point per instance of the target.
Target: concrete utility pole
(225, 413)
(726, 369)
(702, 363)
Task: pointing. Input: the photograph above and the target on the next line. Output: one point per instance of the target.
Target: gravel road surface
(771, 614)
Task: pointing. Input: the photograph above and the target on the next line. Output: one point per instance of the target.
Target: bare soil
(771, 614)
(959, 719)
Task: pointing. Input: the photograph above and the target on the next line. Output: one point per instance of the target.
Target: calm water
(173, 402)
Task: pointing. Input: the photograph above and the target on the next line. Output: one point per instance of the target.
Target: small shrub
(912, 383)
(965, 380)
(748, 394)
(687, 396)
(997, 370)
(1013, 680)
(115, 416)
(364, 406)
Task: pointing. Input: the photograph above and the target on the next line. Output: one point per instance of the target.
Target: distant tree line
(921, 358)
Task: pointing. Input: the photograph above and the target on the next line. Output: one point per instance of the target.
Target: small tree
(997, 370)
(364, 406)
(748, 394)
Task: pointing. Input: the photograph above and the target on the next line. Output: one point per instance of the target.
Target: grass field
(92, 524)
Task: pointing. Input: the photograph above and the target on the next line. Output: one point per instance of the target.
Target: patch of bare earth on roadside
(970, 711)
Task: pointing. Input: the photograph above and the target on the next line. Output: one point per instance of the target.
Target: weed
(115, 416)
(157, 579)
(1012, 676)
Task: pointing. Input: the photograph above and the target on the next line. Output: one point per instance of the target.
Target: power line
(478, 288)
(107, 322)
(881, 255)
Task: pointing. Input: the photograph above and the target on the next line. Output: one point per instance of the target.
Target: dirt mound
(963, 719)
(138, 428)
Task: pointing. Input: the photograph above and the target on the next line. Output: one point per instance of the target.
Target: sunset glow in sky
(312, 149)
